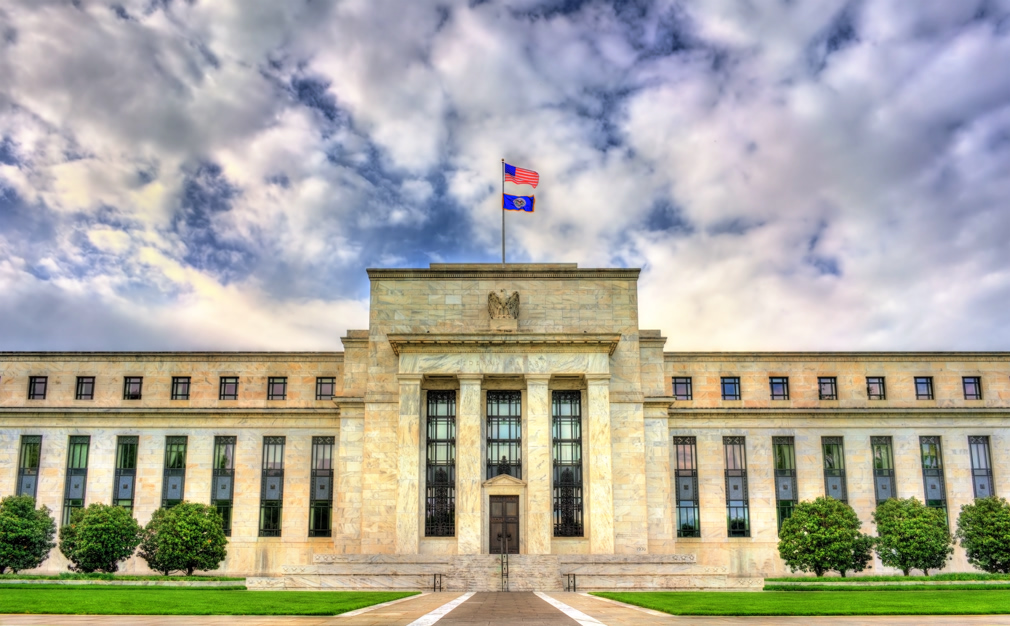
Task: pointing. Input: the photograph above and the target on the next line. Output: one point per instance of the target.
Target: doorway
(504, 526)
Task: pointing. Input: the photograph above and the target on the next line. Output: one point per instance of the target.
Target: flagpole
(503, 211)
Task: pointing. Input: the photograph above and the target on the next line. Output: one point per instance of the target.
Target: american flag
(520, 176)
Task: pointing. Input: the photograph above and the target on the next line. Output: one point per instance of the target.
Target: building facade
(467, 421)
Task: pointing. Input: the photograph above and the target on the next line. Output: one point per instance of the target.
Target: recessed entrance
(504, 527)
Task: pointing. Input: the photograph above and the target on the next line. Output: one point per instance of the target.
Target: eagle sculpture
(502, 308)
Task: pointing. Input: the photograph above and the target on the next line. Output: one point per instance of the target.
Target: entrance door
(504, 536)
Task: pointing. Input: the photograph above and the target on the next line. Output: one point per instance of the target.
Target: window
(730, 387)
(126, 472)
(173, 488)
(132, 387)
(180, 387)
(682, 388)
(779, 387)
(737, 501)
(37, 387)
(326, 387)
(504, 434)
(277, 388)
(85, 388)
(834, 468)
(972, 387)
(875, 388)
(566, 426)
(686, 487)
(923, 387)
(827, 387)
(440, 461)
(321, 497)
(223, 480)
(883, 468)
(77, 476)
(784, 452)
(272, 487)
(932, 473)
(228, 388)
(981, 466)
(28, 465)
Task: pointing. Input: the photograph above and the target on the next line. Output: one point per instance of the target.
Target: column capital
(598, 379)
(469, 378)
(409, 378)
(538, 379)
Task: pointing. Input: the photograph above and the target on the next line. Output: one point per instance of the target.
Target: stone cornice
(689, 357)
(869, 412)
(489, 271)
(170, 356)
(205, 413)
(504, 342)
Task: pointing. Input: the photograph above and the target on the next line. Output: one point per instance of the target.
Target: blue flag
(518, 203)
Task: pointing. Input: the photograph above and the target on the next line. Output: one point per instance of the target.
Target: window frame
(835, 472)
(935, 471)
(181, 386)
(440, 456)
(321, 381)
(128, 382)
(29, 464)
(785, 477)
(126, 466)
(223, 472)
(271, 521)
(222, 387)
(780, 382)
(730, 446)
(568, 497)
(174, 467)
(321, 474)
(876, 380)
(734, 383)
(883, 443)
(78, 452)
(33, 387)
(82, 382)
(981, 472)
(272, 384)
(509, 427)
(685, 464)
(688, 388)
(832, 384)
(976, 381)
(928, 382)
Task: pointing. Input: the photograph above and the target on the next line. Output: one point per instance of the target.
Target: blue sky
(188, 174)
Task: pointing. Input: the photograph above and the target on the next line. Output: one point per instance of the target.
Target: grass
(954, 587)
(959, 576)
(932, 601)
(95, 600)
(99, 576)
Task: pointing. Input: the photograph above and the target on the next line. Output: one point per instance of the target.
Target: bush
(912, 535)
(824, 535)
(99, 537)
(983, 528)
(26, 534)
(186, 537)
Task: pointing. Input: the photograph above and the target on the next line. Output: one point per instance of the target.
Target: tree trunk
(905, 572)
(842, 572)
(926, 572)
(818, 571)
(189, 571)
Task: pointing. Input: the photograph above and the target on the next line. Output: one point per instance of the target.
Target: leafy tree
(99, 537)
(823, 535)
(983, 529)
(26, 533)
(912, 535)
(187, 537)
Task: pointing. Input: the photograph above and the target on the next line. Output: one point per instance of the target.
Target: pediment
(504, 480)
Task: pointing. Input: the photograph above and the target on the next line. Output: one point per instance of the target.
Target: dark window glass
(730, 387)
(834, 468)
(686, 487)
(37, 387)
(784, 453)
(779, 387)
(440, 461)
(223, 480)
(132, 386)
(272, 487)
(228, 388)
(85, 388)
(923, 387)
(29, 459)
(180, 387)
(737, 499)
(566, 427)
(125, 483)
(321, 495)
(981, 466)
(932, 473)
(972, 387)
(827, 387)
(504, 434)
(326, 387)
(883, 468)
(875, 388)
(174, 484)
(682, 388)
(75, 487)
(277, 388)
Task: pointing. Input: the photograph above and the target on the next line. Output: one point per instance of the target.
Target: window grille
(566, 417)
(737, 499)
(932, 473)
(132, 387)
(779, 387)
(784, 452)
(180, 387)
(686, 488)
(923, 387)
(504, 434)
(682, 388)
(883, 469)
(326, 387)
(834, 468)
(126, 472)
(972, 387)
(272, 487)
(827, 387)
(85, 388)
(174, 484)
(228, 388)
(29, 459)
(37, 387)
(277, 388)
(440, 461)
(75, 487)
(223, 480)
(875, 388)
(730, 387)
(321, 497)
(981, 466)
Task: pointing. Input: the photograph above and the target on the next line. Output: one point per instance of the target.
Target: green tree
(99, 537)
(823, 535)
(911, 535)
(186, 537)
(26, 533)
(983, 529)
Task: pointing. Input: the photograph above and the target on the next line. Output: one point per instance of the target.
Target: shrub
(912, 535)
(26, 533)
(99, 537)
(186, 537)
(824, 535)
(983, 529)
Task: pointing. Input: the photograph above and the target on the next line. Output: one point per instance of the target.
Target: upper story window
(827, 387)
(85, 388)
(37, 387)
(277, 388)
(972, 387)
(730, 387)
(779, 387)
(326, 387)
(228, 389)
(682, 388)
(875, 388)
(132, 387)
(923, 387)
(180, 387)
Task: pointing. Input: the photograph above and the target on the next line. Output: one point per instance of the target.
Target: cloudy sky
(790, 175)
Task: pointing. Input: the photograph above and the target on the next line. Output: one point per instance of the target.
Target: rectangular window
(923, 387)
(85, 388)
(972, 387)
(77, 475)
(173, 489)
(883, 469)
(827, 387)
(28, 465)
(440, 462)
(272, 487)
(37, 387)
(834, 468)
(326, 387)
(223, 480)
(686, 487)
(737, 500)
(132, 387)
(981, 467)
(875, 388)
(504, 434)
(566, 427)
(277, 388)
(126, 472)
(779, 387)
(180, 387)
(730, 387)
(932, 473)
(228, 388)
(321, 498)
(682, 388)
(784, 452)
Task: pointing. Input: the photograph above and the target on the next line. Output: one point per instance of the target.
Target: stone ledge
(519, 342)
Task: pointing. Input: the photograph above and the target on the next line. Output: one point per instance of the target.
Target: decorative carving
(264, 583)
(502, 307)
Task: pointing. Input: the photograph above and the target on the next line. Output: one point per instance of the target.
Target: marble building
(490, 409)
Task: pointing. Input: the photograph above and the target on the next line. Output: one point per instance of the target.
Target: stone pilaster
(407, 449)
(537, 465)
(601, 493)
(347, 495)
(468, 466)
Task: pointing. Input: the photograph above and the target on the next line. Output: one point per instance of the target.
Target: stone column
(468, 466)
(408, 448)
(347, 494)
(601, 493)
(537, 465)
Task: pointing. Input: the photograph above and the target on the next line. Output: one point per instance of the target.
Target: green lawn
(97, 576)
(101, 600)
(886, 587)
(924, 602)
(886, 579)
